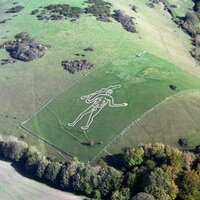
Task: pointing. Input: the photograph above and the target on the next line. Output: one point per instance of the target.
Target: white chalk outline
(97, 101)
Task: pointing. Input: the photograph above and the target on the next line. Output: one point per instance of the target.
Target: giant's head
(110, 91)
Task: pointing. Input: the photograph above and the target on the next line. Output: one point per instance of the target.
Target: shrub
(192, 17)
(14, 149)
(173, 87)
(33, 157)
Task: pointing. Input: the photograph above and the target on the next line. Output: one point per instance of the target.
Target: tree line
(152, 172)
(190, 23)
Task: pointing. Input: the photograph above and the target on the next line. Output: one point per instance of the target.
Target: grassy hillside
(27, 87)
(143, 86)
(180, 7)
(175, 118)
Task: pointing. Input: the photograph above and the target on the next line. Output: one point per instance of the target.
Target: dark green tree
(14, 149)
(161, 185)
(51, 171)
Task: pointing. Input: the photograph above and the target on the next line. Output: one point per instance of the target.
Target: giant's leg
(91, 118)
(85, 112)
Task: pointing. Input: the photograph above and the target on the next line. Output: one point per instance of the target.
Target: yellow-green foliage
(190, 185)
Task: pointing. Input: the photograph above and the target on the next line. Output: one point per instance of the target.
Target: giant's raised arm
(112, 104)
(90, 98)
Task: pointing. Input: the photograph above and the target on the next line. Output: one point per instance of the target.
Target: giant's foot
(71, 124)
(84, 127)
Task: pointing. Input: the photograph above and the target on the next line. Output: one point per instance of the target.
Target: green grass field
(182, 7)
(175, 118)
(26, 87)
(140, 90)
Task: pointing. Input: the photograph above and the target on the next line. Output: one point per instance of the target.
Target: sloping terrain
(176, 117)
(150, 65)
(15, 186)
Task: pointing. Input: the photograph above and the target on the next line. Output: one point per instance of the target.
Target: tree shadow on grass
(116, 160)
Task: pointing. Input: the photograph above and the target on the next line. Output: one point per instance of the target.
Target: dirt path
(15, 186)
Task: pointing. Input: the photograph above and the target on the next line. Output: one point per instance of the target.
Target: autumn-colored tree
(161, 185)
(176, 161)
(190, 185)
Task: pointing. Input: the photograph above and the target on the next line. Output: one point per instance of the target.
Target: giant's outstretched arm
(90, 98)
(112, 104)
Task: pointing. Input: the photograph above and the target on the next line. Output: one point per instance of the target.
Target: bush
(14, 149)
(33, 157)
(182, 142)
(190, 28)
(197, 40)
(192, 18)
(173, 87)
(15, 9)
(98, 8)
(125, 20)
(51, 172)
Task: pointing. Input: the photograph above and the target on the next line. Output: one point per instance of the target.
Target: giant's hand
(115, 87)
(83, 97)
(124, 104)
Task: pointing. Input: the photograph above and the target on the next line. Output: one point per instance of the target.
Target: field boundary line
(28, 131)
(48, 102)
(135, 121)
(58, 150)
(65, 89)
(108, 152)
(58, 94)
(142, 128)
